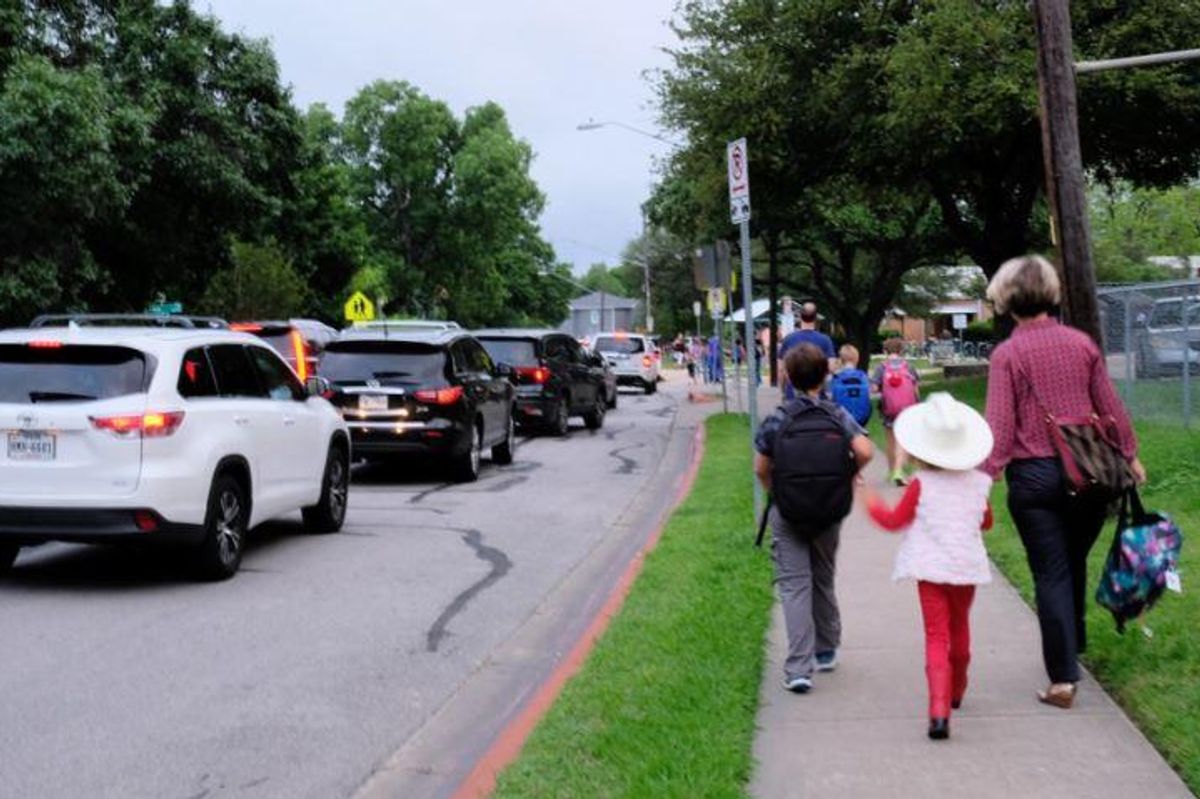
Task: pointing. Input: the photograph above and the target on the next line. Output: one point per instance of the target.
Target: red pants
(946, 610)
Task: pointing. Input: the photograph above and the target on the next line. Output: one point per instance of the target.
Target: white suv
(182, 436)
(633, 357)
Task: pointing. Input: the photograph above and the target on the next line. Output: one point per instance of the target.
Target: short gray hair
(1025, 287)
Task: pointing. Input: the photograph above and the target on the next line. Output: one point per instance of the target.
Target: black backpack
(812, 478)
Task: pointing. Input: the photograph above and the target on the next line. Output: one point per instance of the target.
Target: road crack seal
(628, 464)
(500, 566)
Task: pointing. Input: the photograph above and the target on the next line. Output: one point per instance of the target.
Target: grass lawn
(1156, 679)
(665, 705)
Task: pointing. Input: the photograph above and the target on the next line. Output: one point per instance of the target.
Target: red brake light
(301, 355)
(146, 425)
(534, 374)
(146, 520)
(440, 396)
(45, 345)
(245, 327)
(647, 360)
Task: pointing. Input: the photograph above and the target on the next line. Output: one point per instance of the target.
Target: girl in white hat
(942, 514)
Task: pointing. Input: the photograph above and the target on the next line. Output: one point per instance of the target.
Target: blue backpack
(851, 388)
(1141, 563)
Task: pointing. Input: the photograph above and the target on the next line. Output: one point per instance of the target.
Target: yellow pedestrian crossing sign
(359, 308)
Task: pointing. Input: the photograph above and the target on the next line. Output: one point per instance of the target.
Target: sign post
(739, 212)
(696, 313)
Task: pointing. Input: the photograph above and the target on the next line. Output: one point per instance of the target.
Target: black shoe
(939, 729)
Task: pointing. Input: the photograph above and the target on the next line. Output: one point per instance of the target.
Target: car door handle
(241, 420)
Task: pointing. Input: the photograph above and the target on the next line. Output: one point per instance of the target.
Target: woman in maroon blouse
(1047, 363)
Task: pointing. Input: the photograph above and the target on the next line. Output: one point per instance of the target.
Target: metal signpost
(739, 212)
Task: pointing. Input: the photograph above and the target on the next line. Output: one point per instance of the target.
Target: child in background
(850, 387)
(896, 383)
(942, 515)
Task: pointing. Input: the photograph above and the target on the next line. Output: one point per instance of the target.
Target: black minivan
(556, 378)
(421, 394)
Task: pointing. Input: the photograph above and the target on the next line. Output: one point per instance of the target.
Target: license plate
(372, 402)
(32, 446)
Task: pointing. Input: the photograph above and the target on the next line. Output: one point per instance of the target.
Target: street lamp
(592, 124)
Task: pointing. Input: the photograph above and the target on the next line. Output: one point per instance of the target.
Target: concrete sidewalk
(861, 732)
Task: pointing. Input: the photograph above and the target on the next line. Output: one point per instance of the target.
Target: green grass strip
(1155, 679)
(665, 704)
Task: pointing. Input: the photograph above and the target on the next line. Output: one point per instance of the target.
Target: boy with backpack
(895, 381)
(808, 454)
(850, 387)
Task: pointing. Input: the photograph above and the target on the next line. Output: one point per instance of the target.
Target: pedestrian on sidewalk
(941, 515)
(807, 334)
(808, 454)
(897, 384)
(850, 387)
(1048, 369)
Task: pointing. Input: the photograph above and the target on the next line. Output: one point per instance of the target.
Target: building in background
(599, 312)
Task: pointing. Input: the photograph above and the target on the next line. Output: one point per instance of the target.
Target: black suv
(556, 378)
(421, 393)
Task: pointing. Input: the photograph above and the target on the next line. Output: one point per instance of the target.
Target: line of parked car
(190, 432)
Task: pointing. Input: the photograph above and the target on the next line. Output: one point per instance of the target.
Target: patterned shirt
(1071, 379)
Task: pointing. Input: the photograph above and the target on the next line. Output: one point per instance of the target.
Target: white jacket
(944, 543)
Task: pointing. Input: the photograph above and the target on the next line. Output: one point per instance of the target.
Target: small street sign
(165, 308)
(359, 308)
(716, 302)
(960, 321)
(739, 181)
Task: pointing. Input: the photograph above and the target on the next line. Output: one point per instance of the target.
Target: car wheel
(328, 515)
(502, 453)
(466, 466)
(562, 418)
(651, 386)
(612, 400)
(8, 554)
(225, 527)
(594, 419)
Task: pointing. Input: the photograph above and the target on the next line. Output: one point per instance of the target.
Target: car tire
(329, 514)
(8, 555)
(502, 453)
(465, 467)
(562, 418)
(594, 419)
(651, 387)
(225, 526)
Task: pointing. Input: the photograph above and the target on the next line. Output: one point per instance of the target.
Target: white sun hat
(944, 432)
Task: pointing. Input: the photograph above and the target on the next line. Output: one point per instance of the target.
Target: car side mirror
(504, 370)
(317, 386)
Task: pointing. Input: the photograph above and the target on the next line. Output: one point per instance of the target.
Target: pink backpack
(899, 389)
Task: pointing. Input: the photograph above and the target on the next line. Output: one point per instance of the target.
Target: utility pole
(1064, 164)
(738, 167)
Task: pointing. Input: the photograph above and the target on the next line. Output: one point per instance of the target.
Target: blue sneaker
(827, 660)
(798, 685)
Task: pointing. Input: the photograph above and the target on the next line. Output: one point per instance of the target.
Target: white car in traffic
(178, 436)
(633, 357)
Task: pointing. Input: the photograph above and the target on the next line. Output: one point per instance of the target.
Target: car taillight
(301, 355)
(45, 345)
(245, 327)
(440, 396)
(647, 361)
(145, 425)
(534, 374)
(146, 520)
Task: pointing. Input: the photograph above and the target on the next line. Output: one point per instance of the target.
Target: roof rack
(130, 320)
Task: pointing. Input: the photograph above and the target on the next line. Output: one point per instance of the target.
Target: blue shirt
(797, 337)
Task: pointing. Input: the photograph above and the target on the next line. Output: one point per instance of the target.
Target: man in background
(807, 334)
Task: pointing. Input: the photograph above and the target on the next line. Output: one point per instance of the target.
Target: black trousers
(1058, 530)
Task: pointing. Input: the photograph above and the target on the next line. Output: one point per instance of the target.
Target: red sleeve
(901, 516)
(988, 519)
(1104, 397)
(1000, 413)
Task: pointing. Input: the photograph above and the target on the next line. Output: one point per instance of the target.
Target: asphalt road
(326, 654)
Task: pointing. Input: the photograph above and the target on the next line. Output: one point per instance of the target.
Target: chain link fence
(1152, 346)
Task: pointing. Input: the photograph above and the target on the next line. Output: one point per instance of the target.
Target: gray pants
(804, 572)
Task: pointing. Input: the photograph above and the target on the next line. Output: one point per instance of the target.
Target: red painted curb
(509, 742)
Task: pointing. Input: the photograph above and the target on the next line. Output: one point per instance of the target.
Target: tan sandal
(1059, 695)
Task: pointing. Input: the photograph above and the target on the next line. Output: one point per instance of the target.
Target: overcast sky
(550, 63)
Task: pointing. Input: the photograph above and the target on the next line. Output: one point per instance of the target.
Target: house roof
(591, 302)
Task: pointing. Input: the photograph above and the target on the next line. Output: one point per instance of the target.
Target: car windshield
(619, 344)
(69, 373)
(280, 340)
(391, 363)
(1170, 313)
(512, 351)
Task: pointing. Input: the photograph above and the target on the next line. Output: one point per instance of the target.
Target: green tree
(1130, 225)
(261, 284)
(599, 277)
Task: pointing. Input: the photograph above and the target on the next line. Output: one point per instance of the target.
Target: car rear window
(618, 344)
(70, 372)
(391, 363)
(512, 351)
